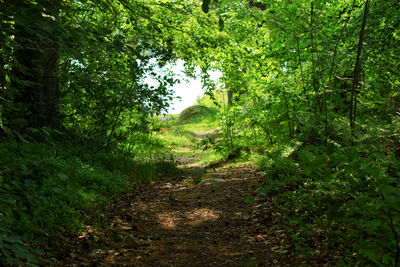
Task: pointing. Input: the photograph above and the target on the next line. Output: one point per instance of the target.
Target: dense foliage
(312, 98)
(313, 89)
(76, 112)
(81, 66)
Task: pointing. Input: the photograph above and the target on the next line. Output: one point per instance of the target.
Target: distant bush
(193, 111)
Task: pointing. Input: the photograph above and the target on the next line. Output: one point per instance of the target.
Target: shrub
(345, 192)
(48, 190)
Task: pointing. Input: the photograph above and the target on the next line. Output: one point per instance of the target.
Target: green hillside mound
(193, 111)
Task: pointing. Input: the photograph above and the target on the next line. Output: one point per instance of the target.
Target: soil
(180, 223)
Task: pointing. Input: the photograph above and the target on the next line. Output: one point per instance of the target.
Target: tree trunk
(33, 93)
(356, 74)
(229, 94)
(314, 81)
(301, 72)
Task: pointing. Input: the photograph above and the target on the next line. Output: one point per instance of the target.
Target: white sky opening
(189, 88)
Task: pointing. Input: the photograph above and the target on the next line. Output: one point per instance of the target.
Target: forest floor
(199, 218)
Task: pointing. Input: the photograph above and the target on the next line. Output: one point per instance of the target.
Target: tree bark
(313, 75)
(229, 95)
(33, 92)
(356, 74)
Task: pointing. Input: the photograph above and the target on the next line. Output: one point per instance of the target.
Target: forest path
(179, 223)
(183, 224)
(197, 219)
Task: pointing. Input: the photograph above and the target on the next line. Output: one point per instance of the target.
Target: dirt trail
(181, 224)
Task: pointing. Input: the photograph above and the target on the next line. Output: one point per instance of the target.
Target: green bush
(48, 190)
(346, 192)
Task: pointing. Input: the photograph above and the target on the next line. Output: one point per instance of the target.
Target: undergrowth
(342, 195)
(48, 191)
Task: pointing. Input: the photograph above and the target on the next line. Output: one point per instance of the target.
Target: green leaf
(11, 261)
(12, 239)
(249, 199)
(330, 148)
(24, 168)
(373, 223)
(62, 176)
(308, 170)
(262, 191)
(56, 189)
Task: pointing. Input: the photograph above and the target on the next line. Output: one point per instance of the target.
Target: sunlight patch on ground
(168, 220)
(201, 215)
(172, 220)
(140, 205)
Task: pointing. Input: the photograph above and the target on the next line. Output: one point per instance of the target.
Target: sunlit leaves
(118, 50)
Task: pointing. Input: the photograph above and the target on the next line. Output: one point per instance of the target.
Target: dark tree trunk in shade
(33, 94)
(357, 68)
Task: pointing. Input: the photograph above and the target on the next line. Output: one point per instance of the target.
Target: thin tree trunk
(313, 79)
(2, 72)
(288, 118)
(229, 128)
(301, 72)
(114, 126)
(356, 76)
(124, 99)
(2, 91)
(332, 70)
(229, 94)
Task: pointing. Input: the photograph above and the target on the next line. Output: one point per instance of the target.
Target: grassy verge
(185, 137)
